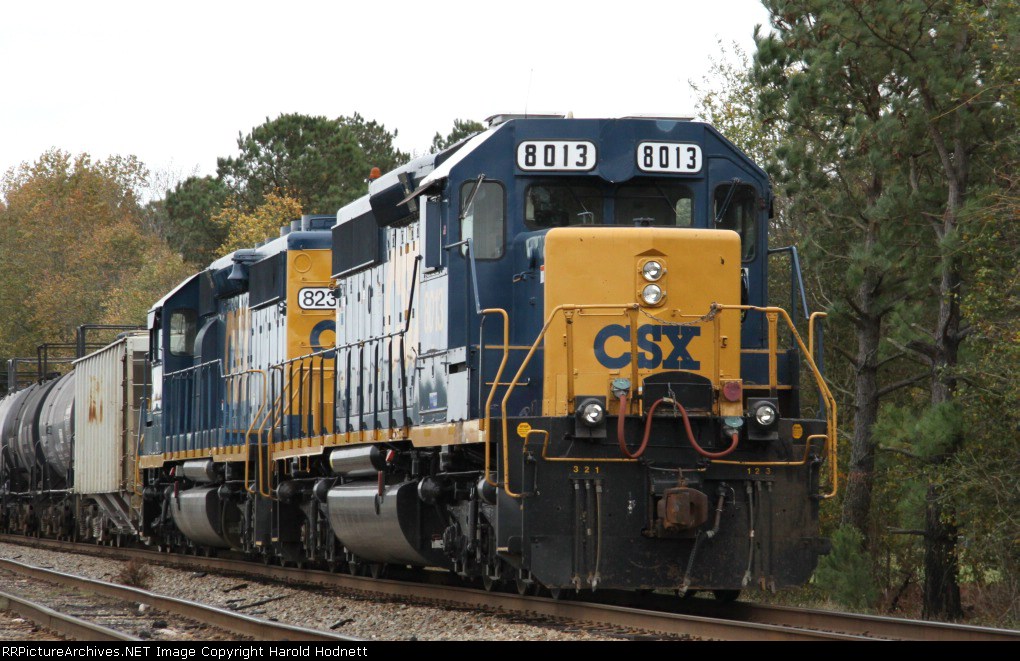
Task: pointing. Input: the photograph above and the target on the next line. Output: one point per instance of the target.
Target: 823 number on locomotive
(317, 298)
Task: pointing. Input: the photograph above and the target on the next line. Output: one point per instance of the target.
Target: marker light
(652, 271)
(652, 294)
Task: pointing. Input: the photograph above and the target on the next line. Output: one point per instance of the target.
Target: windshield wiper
(471, 197)
(729, 198)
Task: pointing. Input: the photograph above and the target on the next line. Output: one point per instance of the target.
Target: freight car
(541, 357)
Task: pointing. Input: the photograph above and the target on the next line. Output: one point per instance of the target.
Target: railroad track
(654, 613)
(64, 624)
(235, 624)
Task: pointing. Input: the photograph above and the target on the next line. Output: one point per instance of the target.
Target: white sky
(174, 82)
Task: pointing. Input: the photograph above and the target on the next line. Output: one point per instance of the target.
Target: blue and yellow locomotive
(542, 357)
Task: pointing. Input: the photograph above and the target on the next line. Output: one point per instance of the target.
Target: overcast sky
(174, 82)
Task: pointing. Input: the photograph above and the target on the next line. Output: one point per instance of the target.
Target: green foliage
(929, 433)
(190, 207)
(320, 162)
(897, 152)
(462, 128)
(845, 574)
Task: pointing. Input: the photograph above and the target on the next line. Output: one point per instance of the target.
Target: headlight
(652, 294)
(592, 413)
(652, 271)
(765, 415)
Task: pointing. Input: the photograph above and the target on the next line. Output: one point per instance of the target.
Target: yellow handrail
(772, 314)
(811, 330)
(829, 400)
(247, 434)
(589, 460)
(527, 359)
(285, 409)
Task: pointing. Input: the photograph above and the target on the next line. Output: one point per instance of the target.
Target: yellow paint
(309, 378)
(523, 430)
(591, 266)
(798, 431)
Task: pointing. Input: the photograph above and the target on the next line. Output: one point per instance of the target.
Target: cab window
(485, 219)
(562, 204)
(183, 328)
(735, 209)
(662, 204)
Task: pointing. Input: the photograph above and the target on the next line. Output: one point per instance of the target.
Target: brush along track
(628, 613)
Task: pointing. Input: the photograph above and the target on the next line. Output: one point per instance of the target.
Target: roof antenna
(527, 98)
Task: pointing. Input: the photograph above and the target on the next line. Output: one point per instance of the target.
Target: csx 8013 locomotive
(541, 357)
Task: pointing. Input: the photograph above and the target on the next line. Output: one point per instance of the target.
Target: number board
(669, 157)
(316, 298)
(557, 155)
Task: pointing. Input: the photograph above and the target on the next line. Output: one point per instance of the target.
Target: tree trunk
(941, 586)
(861, 478)
(941, 589)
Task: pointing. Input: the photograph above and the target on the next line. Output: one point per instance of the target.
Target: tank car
(61, 434)
(35, 440)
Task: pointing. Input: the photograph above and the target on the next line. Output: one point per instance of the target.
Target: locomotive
(543, 357)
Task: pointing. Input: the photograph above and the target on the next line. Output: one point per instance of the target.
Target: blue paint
(650, 355)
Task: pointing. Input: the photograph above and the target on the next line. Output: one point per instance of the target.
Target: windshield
(641, 202)
(664, 204)
(562, 204)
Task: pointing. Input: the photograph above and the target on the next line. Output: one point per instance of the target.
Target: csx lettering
(650, 352)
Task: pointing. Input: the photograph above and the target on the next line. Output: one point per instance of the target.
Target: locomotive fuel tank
(394, 527)
(204, 518)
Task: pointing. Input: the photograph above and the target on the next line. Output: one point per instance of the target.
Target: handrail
(829, 400)
(796, 278)
(811, 330)
(247, 434)
(626, 308)
(492, 390)
(773, 313)
(194, 367)
(590, 460)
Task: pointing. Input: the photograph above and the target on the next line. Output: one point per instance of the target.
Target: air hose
(624, 445)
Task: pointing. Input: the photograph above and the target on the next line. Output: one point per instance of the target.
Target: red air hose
(621, 437)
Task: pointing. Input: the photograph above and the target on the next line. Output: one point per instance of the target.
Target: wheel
(557, 593)
(726, 596)
(524, 587)
(375, 570)
(488, 583)
(354, 568)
